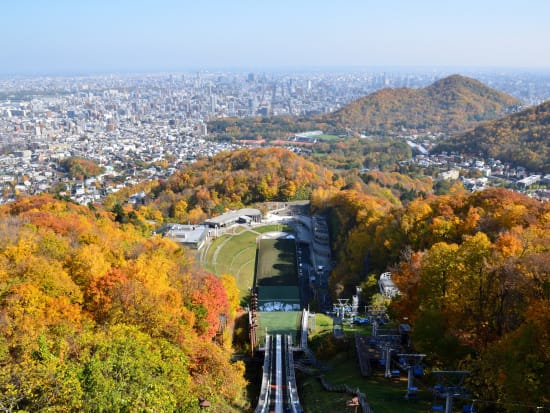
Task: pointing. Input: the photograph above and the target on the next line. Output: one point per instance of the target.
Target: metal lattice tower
(450, 385)
(375, 311)
(340, 308)
(410, 362)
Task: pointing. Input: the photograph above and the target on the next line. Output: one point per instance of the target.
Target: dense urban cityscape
(143, 126)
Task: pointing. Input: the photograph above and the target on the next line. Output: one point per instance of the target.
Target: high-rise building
(231, 108)
(213, 102)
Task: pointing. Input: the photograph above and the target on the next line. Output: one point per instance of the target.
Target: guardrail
(289, 379)
(304, 329)
(263, 400)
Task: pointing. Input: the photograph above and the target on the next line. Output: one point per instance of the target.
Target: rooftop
(232, 216)
(185, 234)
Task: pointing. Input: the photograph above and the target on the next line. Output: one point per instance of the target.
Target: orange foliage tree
(75, 285)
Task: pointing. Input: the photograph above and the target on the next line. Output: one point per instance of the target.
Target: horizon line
(271, 69)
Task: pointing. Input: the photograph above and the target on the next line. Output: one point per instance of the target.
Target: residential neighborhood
(143, 127)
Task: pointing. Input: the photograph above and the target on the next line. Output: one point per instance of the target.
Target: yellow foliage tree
(232, 291)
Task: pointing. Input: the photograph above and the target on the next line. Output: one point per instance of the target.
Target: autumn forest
(92, 313)
(98, 313)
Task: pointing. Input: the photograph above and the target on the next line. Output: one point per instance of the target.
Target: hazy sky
(81, 36)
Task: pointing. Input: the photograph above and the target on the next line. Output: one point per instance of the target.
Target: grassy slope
(279, 322)
(382, 395)
(235, 254)
(277, 262)
(237, 249)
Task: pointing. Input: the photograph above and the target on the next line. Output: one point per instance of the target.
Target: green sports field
(235, 253)
(326, 137)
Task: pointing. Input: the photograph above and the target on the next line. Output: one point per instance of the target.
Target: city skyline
(65, 37)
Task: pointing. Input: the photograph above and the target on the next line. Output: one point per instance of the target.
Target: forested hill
(235, 179)
(522, 138)
(95, 317)
(474, 274)
(452, 104)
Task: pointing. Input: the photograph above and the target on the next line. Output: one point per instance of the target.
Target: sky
(90, 36)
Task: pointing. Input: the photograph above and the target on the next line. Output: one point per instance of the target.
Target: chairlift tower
(340, 308)
(410, 362)
(375, 311)
(355, 301)
(354, 305)
(387, 349)
(389, 342)
(450, 385)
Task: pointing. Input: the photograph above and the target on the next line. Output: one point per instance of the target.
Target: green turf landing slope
(276, 262)
(276, 275)
(278, 323)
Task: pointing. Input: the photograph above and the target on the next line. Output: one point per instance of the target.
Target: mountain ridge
(522, 138)
(452, 104)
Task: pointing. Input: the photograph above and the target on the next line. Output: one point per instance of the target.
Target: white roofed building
(387, 286)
